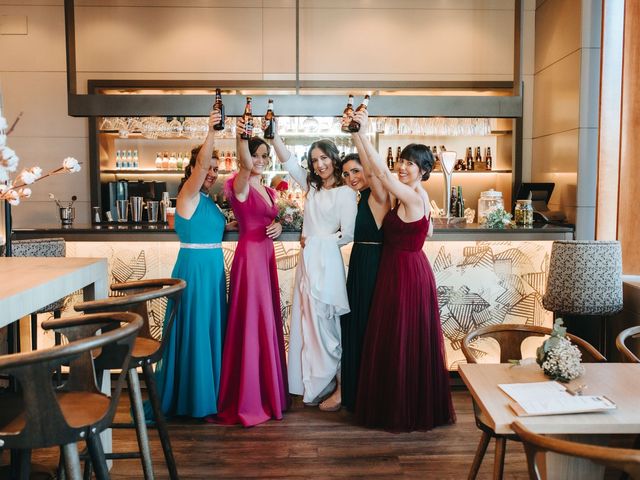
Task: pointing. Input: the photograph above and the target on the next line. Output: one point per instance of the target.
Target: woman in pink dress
(253, 385)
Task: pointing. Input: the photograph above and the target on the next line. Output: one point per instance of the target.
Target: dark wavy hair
(420, 155)
(352, 156)
(192, 163)
(255, 143)
(330, 150)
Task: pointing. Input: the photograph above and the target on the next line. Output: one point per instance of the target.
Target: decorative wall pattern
(479, 283)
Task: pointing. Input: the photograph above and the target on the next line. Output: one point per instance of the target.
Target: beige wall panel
(406, 4)
(48, 153)
(527, 105)
(42, 49)
(31, 214)
(157, 40)
(42, 97)
(279, 40)
(424, 76)
(529, 47)
(171, 3)
(556, 105)
(32, 2)
(557, 153)
(557, 31)
(407, 41)
(527, 154)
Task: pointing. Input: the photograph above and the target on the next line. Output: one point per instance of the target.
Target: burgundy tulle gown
(253, 384)
(404, 382)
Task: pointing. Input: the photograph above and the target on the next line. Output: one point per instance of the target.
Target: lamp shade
(585, 278)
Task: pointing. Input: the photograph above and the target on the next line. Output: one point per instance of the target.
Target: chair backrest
(39, 247)
(621, 343)
(511, 336)
(38, 419)
(134, 297)
(626, 460)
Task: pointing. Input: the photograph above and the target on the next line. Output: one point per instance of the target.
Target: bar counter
(145, 232)
(483, 276)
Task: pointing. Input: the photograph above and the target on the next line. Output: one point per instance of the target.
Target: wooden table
(618, 381)
(30, 283)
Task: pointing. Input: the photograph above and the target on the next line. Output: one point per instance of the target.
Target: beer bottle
(269, 121)
(390, 162)
(248, 121)
(347, 114)
(478, 155)
(469, 159)
(398, 152)
(355, 126)
(453, 203)
(218, 105)
(488, 159)
(460, 203)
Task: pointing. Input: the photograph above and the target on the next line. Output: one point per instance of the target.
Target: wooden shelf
(150, 171)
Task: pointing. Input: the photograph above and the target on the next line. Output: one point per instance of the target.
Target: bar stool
(134, 297)
(42, 416)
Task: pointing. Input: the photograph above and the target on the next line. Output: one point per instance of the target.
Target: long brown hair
(330, 150)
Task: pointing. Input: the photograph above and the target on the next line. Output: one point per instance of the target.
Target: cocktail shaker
(136, 209)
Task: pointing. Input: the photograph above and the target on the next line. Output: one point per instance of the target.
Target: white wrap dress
(320, 294)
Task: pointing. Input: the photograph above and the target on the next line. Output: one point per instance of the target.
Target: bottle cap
(524, 202)
(491, 194)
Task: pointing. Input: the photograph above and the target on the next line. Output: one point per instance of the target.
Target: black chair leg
(97, 457)
(133, 382)
(20, 464)
(34, 332)
(58, 340)
(161, 422)
(71, 461)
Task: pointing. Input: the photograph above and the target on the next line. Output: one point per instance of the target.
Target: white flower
(71, 165)
(27, 177)
(25, 192)
(12, 197)
(3, 123)
(3, 188)
(8, 159)
(4, 176)
(3, 139)
(37, 171)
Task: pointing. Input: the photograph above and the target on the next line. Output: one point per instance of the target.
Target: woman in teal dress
(188, 376)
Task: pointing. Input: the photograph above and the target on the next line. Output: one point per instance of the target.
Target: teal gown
(188, 375)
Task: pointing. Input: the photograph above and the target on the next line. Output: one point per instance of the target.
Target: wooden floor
(313, 444)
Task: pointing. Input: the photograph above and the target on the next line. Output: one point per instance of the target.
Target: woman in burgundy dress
(404, 382)
(253, 385)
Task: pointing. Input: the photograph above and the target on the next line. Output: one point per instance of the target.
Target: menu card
(552, 398)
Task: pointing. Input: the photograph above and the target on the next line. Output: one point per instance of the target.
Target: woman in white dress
(320, 294)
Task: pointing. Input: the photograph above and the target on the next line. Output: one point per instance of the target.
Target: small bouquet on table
(558, 357)
(290, 214)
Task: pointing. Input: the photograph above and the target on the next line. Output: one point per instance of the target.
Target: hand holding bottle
(240, 130)
(214, 119)
(362, 118)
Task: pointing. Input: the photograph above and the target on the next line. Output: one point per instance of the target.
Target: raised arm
(241, 180)
(191, 188)
(290, 161)
(380, 195)
(411, 199)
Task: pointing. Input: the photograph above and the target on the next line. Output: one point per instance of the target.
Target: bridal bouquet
(289, 214)
(558, 357)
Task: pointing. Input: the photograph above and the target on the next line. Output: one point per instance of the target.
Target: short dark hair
(192, 163)
(255, 143)
(420, 155)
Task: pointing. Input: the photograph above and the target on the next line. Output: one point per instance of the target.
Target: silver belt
(369, 243)
(200, 246)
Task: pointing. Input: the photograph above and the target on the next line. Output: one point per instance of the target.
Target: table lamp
(584, 287)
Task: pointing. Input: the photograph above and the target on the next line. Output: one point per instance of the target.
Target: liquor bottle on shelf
(165, 161)
(136, 160)
(353, 125)
(180, 162)
(218, 105)
(453, 203)
(478, 157)
(173, 162)
(129, 160)
(248, 121)
(158, 162)
(390, 162)
(347, 115)
(227, 161)
(469, 159)
(398, 152)
(488, 159)
(460, 203)
(118, 160)
(437, 166)
(269, 122)
(234, 161)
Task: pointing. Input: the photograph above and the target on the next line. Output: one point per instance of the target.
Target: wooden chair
(621, 343)
(40, 415)
(623, 459)
(510, 338)
(134, 297)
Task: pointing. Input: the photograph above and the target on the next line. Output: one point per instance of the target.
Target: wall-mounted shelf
(151, 171)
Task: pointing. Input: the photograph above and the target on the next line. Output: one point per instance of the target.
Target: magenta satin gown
(253, 384)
